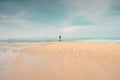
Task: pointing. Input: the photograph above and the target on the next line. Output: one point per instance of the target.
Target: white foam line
(35, 45)
(27, 47)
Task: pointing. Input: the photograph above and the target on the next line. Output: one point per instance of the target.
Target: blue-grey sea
(109, 40)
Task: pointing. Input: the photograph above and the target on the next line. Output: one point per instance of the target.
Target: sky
(38, 19)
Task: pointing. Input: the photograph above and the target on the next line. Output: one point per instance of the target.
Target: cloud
(79, 29)
(92, 10)
(15, 19)
(70, 29)
(97, 13)
(47, 18)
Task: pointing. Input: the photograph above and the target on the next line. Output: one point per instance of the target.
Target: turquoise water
(113, 40)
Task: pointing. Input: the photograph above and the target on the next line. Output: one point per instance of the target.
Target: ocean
(104, 40)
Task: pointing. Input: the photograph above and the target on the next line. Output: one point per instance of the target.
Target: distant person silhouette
(60, 38)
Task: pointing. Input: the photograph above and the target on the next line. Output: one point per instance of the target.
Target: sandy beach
(60, 61)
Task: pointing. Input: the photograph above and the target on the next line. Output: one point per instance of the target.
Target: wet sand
(60, 61)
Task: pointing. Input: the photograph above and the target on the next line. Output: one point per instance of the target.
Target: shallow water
(7, 54)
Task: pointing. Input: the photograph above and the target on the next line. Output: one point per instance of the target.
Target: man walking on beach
(60, 38)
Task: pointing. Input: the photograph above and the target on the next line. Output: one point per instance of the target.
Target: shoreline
(61, 42)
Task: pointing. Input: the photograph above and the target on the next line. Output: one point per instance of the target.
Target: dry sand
(60, 61)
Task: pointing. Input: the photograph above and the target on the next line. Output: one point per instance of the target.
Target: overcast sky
(27, 19)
